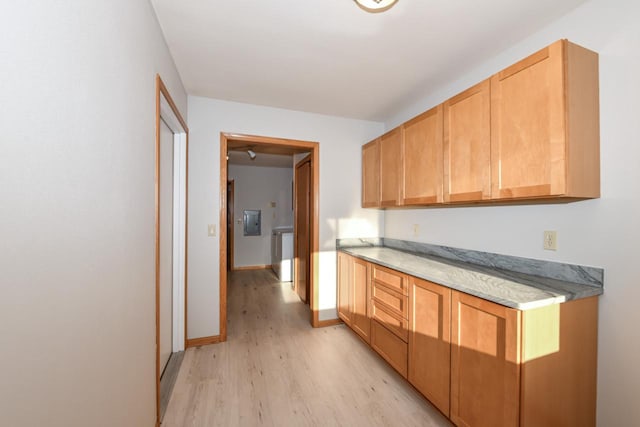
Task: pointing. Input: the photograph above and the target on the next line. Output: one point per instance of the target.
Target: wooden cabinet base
(523, 368)
(390, 347)
(480, 363)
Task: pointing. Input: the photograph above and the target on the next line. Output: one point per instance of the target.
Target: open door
(230, 218)
(302, 228)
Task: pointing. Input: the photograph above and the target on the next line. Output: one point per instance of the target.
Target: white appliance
(282, 253)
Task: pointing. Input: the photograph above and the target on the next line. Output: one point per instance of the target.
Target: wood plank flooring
(275, 370)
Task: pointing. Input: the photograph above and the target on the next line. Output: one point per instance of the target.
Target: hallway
(276, 370)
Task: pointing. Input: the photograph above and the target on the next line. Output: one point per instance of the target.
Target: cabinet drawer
(391, 279)
(390, 347)
(391, 300)
(395, 323)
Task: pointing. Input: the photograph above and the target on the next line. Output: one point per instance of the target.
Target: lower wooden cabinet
(485, 374)
(430, 341)
(353, 293)
(523, 368)
(344, 287)
(360, 302)
(480, 363)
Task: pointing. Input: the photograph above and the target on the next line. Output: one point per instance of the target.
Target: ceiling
(266, 160)
(331, 57)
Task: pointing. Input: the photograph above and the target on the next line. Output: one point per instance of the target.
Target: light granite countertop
(508, 288)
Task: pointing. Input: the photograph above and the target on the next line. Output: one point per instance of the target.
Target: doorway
(170, 242)
(268, 145)
(302, 216)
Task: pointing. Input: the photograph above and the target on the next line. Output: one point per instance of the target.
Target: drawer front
(391, 279)
(391, 300)
(390, 347)
(396, 324)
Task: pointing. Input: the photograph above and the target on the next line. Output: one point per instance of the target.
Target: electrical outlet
(416, 230)
(550, 240)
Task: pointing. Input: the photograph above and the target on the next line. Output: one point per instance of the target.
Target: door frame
(296, 266)
(167, 112)
(269, 144)
(231, 183)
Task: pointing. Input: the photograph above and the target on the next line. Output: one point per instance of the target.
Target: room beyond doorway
(269, 145)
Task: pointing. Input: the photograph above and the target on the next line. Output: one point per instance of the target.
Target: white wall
(255, 188)
(340, 213)
(603, 232)
(77, 112)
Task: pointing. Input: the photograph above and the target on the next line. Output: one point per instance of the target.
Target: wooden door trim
(294, 146)
(298, 165)
(161, 90)
(231, 237)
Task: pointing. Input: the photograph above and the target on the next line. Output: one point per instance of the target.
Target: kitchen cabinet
(467, 145)
(389, 313)
(429, 356)
(523, 368)
(421, 179)
(545, 125)
(344, 287)
(390, 167)
(480, 363)
(485, 375)
(360, 318)
(530, 133)
(371, 174)
(353, 294)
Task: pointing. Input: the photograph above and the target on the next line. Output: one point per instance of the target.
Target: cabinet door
(360, 319)
(345, 287)
(390, 164)
(528, 150)
(430, 341)
(371, 174)
(467, 145)
(422, 159)
(485, 362)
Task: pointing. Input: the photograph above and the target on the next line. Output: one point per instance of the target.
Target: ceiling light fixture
(252, 154)
(375, 6)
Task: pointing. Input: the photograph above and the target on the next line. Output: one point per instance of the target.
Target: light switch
(211, 230)
(273, 204)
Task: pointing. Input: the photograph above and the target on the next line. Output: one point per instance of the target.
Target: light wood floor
(276, 370)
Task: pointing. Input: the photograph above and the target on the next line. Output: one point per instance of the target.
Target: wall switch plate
(211, 230)
(550, 240)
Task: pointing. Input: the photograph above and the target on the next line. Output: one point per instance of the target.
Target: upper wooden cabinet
(467, 145)
(545, 133)
(371, 174)
(422, 159)
(530, 132)
(390, 167)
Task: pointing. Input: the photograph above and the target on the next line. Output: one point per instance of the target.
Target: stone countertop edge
(510, 289)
